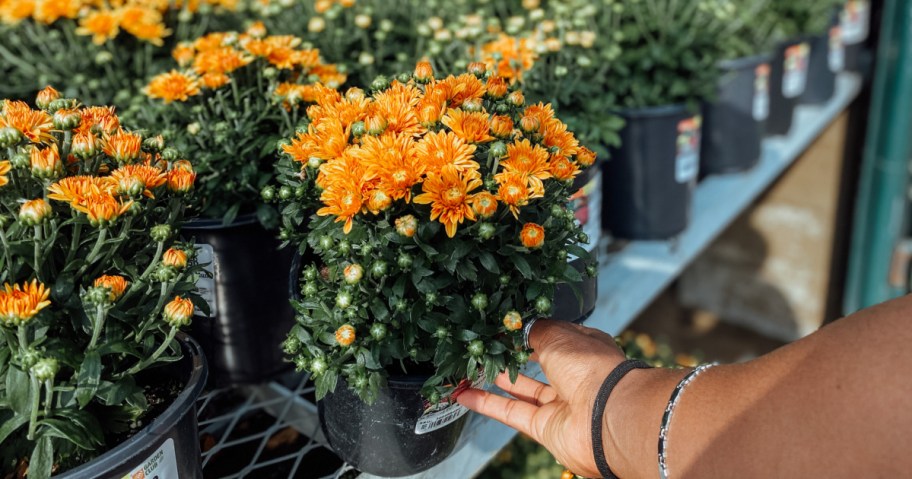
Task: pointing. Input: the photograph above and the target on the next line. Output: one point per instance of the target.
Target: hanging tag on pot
(761, 107)
(205, 285)
(836, 57)
(855, 21)
(794, 77)
(161, 464)
(687, 161)
(586, 205)
(447, 410)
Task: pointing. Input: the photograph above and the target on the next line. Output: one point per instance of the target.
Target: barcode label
(436, 420)
(205, 285)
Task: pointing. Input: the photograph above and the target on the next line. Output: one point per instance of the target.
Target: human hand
(576, 360)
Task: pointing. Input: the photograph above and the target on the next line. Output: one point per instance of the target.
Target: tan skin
(837, 403)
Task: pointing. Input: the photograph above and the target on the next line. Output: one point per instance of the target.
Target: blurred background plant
(232, 97)
(523, 458)
(756, 26)
(98, 51)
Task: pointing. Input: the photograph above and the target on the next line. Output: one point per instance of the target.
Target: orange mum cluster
(464, 145)
(509, 56)
(103, 21)
(125, 169)
(210, 62)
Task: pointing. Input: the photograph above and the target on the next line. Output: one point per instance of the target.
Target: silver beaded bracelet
(669, 410)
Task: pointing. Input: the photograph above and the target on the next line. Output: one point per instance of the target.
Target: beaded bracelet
(669, 410)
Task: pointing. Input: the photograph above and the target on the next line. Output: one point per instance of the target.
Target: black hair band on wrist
(598, 412)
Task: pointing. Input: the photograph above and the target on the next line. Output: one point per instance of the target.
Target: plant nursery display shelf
(272, 431)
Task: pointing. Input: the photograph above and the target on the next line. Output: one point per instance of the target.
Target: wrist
(632, 420)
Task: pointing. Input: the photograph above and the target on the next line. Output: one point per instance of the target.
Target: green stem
(48, 396)
(23, 339)
(155, 259)
(8, 259)
(154, 357)
(102, 235)
(101, 314)
(164, 292)
(74, 243)
(36, 404)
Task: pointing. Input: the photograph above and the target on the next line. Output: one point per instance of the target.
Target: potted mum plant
(100, 51)
(231, 98)
(668, 64)
(96, 379)
(437, 210)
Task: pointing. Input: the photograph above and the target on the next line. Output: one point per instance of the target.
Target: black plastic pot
(380, 438)
(827, 59)
(649, 181)
(171, 440)
(586, 204)
(252, 312)
(733, 124)
(855, 26)
(788, 81)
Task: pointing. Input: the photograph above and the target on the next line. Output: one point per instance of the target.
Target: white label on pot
(205, 285)
(836, 56)
(855, 21)
(761, 108)
(587, 208)
(447, 410)
(687, 161)
(162, 464)
(794, 76)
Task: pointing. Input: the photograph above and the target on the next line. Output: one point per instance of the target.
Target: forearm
(834, 404)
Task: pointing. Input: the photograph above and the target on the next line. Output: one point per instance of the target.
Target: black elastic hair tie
(598, 412)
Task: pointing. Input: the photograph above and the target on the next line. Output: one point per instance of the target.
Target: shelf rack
(272, 431)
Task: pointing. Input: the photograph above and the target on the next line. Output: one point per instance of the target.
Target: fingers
(516, 414)
(527, 389)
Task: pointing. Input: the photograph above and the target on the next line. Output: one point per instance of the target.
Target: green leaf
(467, 270)
(325, 383)
(72, 432)
(42, 460)
(88, 378)
(10, 425)
(496, 347)
(571, 274)
(18, 388)
(112, 393)
(466, 335)
(522, 265)
(488, 262)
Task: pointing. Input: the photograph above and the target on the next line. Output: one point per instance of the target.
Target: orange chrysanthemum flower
(172, 86)
(14, 11)
(175, 258)
(123, 146)
(178, 312)
(585, 157)
(563, 169)
(391, 160)
(512, 321)
(45, 163)
(36, 125)
(75, 189)
(510, 57)
(4, 169)
(449, 194)
(46, 96)
(436, 150)
(530, 161)
(345, 335)
(484, 204)
(144, 23)
(132, 180)
(84, 145)
(532, 236)
(49, 11)
(502, 126)
(102, 209)
(539, 115)
(473, 127)
(102, 25)
(461, 88)
(115, 284)
(557, 138)
(183, 54)
(396, 105)
(513, 191)
(98, 119)
(210, 41)
(214, 81)
(181, 177)
(342, 199)
(424, 72)
(326, 139)
(220, 60)
(20, 303)
(35, 211)
(496, 87)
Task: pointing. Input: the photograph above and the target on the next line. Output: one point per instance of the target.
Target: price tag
(205, 285)
(855, 21)
(447, 410)
(162, 464)
(687, 161)
(836, 57)
(794, 77)
(761, 107)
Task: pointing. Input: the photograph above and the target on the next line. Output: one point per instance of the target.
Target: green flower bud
(326, 242)
(476, 348)
(344, 247)
(353, 273)
(160, 233)
(480, 301)
(404, 261)
(486, 231)
(9, 137)
(45, 369)
(431, 298)
(300, 364)
(472, 105)
(285, 193)
(401, 305)
(582, 238)
(170, 154)
(591, 270)
(165, 274)
(310, 273)
(366, 249)
(378, 331)
(20, 161)
(66, 119)
(309, 290)
(379, 269)
(441, 332)
(522, 357)
(542, 305)
(380, 83)
(291, 345)
(343, 299)
(97, 295)
(318, 366)
(498, 149)
(403, 77)
(504, 280)
(360, 381)
(358, 128)
(300, 192)
(268, 193)
(29, 358)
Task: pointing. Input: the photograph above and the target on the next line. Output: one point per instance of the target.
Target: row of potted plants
(430, 217)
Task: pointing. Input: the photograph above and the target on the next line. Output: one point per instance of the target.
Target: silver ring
(526, 330)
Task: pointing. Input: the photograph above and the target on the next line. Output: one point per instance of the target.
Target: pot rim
(209, 224)
(743, 63)
(159, 426)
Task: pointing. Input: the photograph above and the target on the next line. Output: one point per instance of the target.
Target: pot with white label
(575, 302)
(855, 27)
(788, 81)
(733, 123)
(248, 296)
(398, 435)
(649, 180)
(827, 59)
(168, 447)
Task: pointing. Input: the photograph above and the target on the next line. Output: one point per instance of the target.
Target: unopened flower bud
(512, 321)
(45, 369)
(9, 137)
(477, 68)
(407, 226)
(60, 104)
(498, 149)
(543, 305)
(34, 212)
(160, 233)
(424, 72)
(291, 345)
(285, 193)
(343, 299)
(345, 335)
(404, 261)
(472, 104)
(97, 295)
(344, 247)
(358, 129)
(378, 331)
(480, 301)
(170, 154)
(476, 348)
(268, 193)
(318, 366)
(66, 119)
(85, 145)
(178, 312)
(380, 83)
(486, 231)
(353, 273)
(379, 269)
(164, 274)
(516, 98)
(46, 96)
(154, 143)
